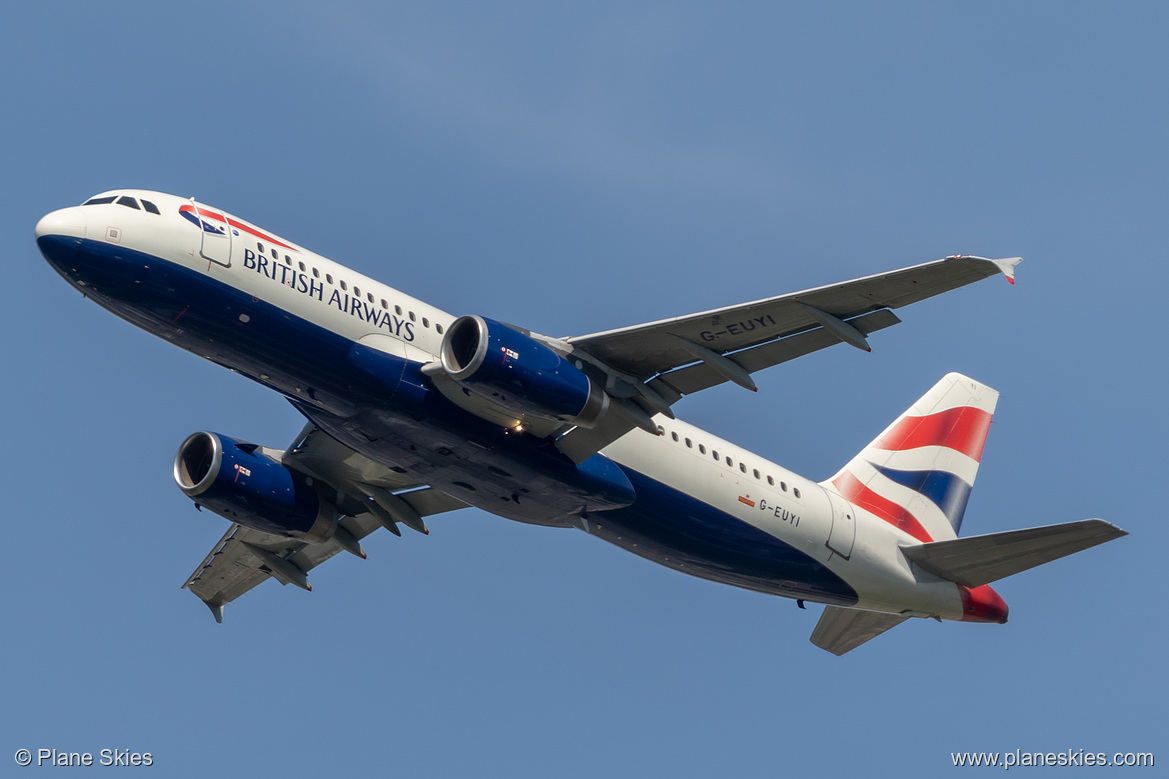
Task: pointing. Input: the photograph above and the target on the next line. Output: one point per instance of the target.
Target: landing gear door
(843, 533)
(216, 235)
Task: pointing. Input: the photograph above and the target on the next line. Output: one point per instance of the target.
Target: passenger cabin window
(329, 277)
(129, 202)
(398, 310)
(771, 481)
(796, 491)
(702, 448)
(343, 285)
(426, 323)
(438, 328)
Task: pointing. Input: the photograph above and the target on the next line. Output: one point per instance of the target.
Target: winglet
(1007, 266)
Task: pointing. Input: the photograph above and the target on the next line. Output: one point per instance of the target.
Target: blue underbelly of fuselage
(674, 529)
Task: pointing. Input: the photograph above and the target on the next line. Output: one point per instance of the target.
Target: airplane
(412, 412)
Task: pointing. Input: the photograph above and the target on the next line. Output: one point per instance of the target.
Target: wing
(650, 367)
(372, 495)
(656, 347)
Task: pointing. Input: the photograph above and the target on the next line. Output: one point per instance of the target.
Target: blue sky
(573, 170)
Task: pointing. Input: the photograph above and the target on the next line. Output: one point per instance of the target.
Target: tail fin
(917, 475)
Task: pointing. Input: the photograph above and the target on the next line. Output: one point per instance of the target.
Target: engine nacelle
(241, 484)
(514, 370)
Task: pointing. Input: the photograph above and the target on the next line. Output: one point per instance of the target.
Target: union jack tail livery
(917, 475)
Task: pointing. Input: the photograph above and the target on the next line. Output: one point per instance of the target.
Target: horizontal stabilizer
(979, 560)
(842, 630)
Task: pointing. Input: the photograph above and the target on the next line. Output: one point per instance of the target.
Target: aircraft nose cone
(67, 221)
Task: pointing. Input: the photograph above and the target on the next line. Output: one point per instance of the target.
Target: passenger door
(843, 533)
(216, 235)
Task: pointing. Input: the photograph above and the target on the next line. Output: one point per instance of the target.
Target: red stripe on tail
(851, 488)
(962, 429)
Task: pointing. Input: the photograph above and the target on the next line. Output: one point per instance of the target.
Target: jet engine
(507, 366)
(242, 484)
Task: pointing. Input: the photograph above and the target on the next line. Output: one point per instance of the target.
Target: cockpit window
(124, 200)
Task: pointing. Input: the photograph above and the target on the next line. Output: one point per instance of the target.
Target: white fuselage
(704, 507)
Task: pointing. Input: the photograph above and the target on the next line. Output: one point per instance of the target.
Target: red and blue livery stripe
(945, 490)
(190, 214)
(851, 488)
(938, 478)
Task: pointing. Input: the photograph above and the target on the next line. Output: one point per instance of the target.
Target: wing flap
(231, 569)
(842, 630)
(692, 378)
(648, 349)
(427, 501)
(979, 560)
(579, 444)
(240, 560)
